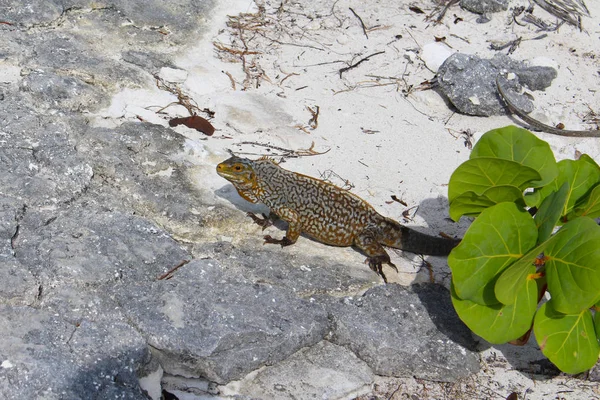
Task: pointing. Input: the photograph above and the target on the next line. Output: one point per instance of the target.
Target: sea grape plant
(534, 232)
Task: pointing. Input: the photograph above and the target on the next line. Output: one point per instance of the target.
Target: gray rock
(176, 18)
(323, 371)
(11, 212)
(71, 56)
(67, 93)
(484, 6)
(18, 286)
(39, 163)
(405, 332)
(146, 168)
(90, 246)
(469, 82)
(305, 275)
(200, 325)
(44, 356)
(36, 12)
(536, 78)
(149, 61)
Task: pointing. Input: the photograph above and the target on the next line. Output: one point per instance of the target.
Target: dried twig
(541, 24)
(362, 24)
(368, 131)
(313, 122)
(406, 213)
(302, 128)
(287, 76)
(441, 13)
(182, 99)
(231, 79)
(169, 273)
(569, 11)
(513, 44)
(328, 174)
(429, 267)
(397, 200)
(236, 52)
(356, 64)
(365, 85)
(540, 125)
(591, 117)
(289, 153)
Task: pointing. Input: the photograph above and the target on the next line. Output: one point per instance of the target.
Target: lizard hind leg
(376, 254)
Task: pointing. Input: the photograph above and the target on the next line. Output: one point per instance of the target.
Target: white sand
(381, 140)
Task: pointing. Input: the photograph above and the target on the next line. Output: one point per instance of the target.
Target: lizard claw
(283, 242)
(375, 266)
(264, 222)
(375, 263)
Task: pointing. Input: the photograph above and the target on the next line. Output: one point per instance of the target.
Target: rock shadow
(113, 377)
(436, 299)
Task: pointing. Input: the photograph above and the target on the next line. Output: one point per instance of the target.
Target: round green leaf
(519, 145)
(501, 235)
(582, 175)
(533, 199)
(499, 323)
(590, 207)
(472, 204)
(515, 277)
(568, 340)
(573, 266)
(480, 174)
(469, 204)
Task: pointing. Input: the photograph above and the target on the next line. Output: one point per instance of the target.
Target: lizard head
(238, 171)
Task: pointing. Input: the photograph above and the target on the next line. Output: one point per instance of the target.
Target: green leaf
(515, 277)
(550, 211)
(480, 174)
(573, 267)
(496, 239)
(517, 144)
(568, 340)
(597, 321)
(533, 199)
(499, 323)
(590, 208)
(469, 204)
(472, 204)
(582, 175)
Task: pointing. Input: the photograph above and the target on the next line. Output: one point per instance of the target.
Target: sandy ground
(266, 72)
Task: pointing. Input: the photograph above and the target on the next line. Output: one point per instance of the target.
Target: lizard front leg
(376, 254)
(265, 221)
(293, 231)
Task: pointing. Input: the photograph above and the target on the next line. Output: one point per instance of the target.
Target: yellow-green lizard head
(238, 171)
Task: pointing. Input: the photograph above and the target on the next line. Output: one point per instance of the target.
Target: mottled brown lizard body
(324, 212)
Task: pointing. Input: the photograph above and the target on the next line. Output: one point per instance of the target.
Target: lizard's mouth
(230, 176)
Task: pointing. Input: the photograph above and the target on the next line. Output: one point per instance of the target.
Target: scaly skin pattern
(324, 212)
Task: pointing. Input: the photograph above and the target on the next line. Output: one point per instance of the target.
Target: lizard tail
(407, 239)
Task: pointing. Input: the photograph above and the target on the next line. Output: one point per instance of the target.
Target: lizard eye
(237, 167)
